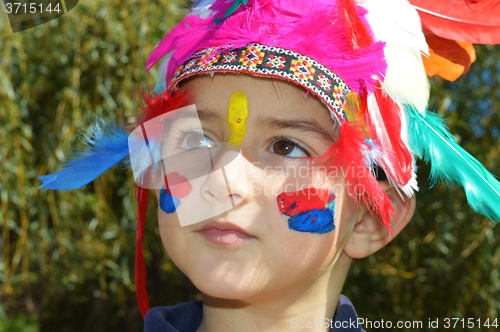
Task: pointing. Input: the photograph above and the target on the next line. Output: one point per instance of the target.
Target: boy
(334, 87)
(255, 272)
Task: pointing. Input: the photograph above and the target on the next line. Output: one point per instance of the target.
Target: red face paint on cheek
(178, 185)
(305, 200)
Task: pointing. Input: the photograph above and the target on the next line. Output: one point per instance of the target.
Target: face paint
(237, 117)
(177, 187)
(168, 203)
(311, 210)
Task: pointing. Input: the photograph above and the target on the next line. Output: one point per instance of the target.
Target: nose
(227, 184)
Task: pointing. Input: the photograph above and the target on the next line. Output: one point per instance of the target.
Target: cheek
(175, 238)
(295, 259)
(307, 220)
(303, 255)
(169, 230)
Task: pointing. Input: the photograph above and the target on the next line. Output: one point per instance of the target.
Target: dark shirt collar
(345, 318)
(186, 317)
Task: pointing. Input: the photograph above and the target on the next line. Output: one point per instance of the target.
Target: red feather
(158, 104)
(472, 21)
(154, 105)
(347, 153)
(141, 194)
(384, 123)
(355, 29)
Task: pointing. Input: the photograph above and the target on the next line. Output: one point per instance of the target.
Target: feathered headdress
(367, 61)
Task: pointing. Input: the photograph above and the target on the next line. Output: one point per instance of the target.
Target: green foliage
(445, 263)
(17, 324)
(68, 257)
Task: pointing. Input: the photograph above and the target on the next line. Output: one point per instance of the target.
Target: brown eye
(283, 147)
(288, 148)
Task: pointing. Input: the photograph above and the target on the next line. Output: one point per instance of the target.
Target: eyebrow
(271, 122)
(302, 125)
(205, 115)
(208, 115)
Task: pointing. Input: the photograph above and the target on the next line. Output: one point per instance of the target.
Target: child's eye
(288, 147)
(196, 140)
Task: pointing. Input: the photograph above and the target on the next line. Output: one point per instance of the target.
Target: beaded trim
(262, 60)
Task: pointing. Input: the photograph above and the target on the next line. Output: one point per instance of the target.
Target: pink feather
(183, 40)
(313, 28)
(222, 5)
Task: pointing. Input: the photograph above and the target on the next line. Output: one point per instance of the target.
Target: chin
(224, 289)
(230, 283)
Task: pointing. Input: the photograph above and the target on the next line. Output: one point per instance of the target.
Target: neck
(315, 303)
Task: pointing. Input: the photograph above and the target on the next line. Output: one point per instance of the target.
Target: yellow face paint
(237, 117)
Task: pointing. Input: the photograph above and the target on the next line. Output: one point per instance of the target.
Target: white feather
(201, 9)
(161, 85)
(383, 155)
(397, 23)
(412, 185)
(406, 80)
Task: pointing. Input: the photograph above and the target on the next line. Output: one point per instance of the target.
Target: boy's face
(283, 126)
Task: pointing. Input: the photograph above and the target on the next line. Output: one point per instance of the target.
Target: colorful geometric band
(262, 60)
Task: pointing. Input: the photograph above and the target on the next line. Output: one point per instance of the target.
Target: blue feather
(431, 140)
(106, 145)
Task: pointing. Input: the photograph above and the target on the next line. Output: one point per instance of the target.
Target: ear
(369, 234)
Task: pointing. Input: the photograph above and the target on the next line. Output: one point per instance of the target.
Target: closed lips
(224, 233)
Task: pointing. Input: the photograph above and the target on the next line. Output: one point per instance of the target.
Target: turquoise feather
(234, 6)
(431, 140)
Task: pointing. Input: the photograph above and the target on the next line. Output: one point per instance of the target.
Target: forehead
(266, 96)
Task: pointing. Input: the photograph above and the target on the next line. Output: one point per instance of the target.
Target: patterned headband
(261, 60)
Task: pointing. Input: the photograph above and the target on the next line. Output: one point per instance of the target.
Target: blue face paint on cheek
(310, 210)
(314, 221)
(168, 203)
(179, 186)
